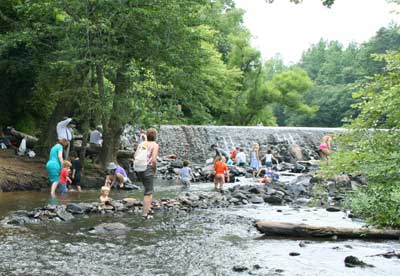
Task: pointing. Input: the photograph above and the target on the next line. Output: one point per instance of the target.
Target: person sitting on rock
(105, 191)
(266, 179)
(269, 176)
(117, 175)
(221, 170)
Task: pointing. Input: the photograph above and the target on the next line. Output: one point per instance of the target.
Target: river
(204, 242)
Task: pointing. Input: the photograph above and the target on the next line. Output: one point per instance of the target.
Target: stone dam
(194, 142)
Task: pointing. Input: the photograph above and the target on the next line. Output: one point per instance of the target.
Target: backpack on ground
(140, 162)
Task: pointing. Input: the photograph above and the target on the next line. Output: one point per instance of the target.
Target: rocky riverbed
(300, 190)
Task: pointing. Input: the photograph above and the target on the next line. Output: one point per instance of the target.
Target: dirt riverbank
(21, 173)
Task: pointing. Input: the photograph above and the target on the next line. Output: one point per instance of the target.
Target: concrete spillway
(193, 142)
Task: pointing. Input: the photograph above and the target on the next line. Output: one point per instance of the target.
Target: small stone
(256, 266)
(239, 268)
(294, 254)
(302, 244)
(333, 209)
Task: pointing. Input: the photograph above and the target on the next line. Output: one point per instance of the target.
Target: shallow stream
(204, 242)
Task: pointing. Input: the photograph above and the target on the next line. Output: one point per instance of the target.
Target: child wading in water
(221, 170)
(185, 175)
(64, 177)
(76, 171)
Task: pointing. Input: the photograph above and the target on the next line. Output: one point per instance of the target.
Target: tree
(327, 3)
(369, 148)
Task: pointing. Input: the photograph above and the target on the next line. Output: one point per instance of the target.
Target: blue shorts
(268, 164)
(63, 188)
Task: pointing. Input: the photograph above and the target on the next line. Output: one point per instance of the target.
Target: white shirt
(241, 157)
(63, 132)
(95, 137)
(268, 157)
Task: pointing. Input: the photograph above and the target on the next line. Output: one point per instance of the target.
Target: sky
(289, 29)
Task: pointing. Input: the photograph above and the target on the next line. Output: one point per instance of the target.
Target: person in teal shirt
(53, 166)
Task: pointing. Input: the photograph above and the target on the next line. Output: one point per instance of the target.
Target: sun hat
(111, 166)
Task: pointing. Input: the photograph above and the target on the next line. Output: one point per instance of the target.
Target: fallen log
(273, 228)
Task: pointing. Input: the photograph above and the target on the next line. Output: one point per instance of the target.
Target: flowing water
(204, 242)
(193, 142)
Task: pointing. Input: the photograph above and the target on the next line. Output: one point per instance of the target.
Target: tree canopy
(154, 62)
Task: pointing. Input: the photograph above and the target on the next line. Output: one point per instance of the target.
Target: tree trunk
(273, 228)
(85, 137)
(113, 129)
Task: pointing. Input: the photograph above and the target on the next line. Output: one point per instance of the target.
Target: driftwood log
(273, 228)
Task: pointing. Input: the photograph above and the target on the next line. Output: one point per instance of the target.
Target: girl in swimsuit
(325, 148)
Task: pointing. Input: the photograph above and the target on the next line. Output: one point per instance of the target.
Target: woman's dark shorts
(147, 178)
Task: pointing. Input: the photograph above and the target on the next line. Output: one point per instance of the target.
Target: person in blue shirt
(185, 174)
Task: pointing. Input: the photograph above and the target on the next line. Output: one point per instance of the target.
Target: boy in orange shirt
(221, 169)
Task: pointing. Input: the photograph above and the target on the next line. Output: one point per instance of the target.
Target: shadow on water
(203, 242)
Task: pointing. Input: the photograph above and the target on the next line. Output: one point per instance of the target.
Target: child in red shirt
(221, 169)
(64, 178)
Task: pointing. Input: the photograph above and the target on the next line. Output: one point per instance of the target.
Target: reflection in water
(204, 242)
(53, 200)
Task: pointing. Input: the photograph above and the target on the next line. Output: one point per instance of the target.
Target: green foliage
(370, 147)
(337, 73)
(327, 3)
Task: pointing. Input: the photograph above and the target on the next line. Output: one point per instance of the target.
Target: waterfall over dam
(193, 142)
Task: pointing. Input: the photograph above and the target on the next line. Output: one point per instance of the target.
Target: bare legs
(147, 200)
(325, 156)
(219, 181)
(53, 188)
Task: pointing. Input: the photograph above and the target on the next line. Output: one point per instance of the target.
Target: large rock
(239, 195)
(296, 152)
(177, 164)
(64, 215)
(343, 180)
(19, 218)
(274, 200)
(255, 190)
(256, 200)
(110, 228)
(75, 208)
(296, 189)
(351, 261)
